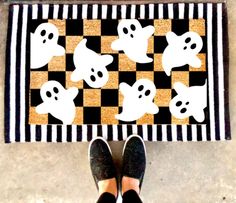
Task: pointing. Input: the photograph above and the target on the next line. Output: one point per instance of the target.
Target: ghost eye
(43, 32)
(188, 40)
(55, 90)
(140, 88)
(132, 27)
(48, 94)
(50, 36)
(193, 46)
(179, 103)
(100, 74)
(125, 30)
(147, 92)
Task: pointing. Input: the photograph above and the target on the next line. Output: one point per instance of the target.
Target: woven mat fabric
(74, 72)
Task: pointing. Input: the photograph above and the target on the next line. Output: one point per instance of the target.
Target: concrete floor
(176, 172)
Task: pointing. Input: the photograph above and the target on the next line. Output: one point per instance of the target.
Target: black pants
(128, 197)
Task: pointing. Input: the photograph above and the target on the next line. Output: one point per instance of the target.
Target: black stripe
(118, 11)
(156, 11)
(226, 70)
(195, 11)
(189, 132)
(120, 134)
(205, 11)
(7, 76)
(70, 11)
(109, 133)
(140, 130)
(199, 133)
(79, 133)
(69, 133)
(165, 11)
(40, 11)
(129, 130)
(179, 133)
(59, 133)
(99, 131)
(159, 133)
(60, 12)
(49, 133)
(90, 11)
(99, 11)
(109, 12)
(18, 69)
(186, 11)
(169, 133)
(90, 132)
(147, 11)
(38, 132)
(50, 12)
(128, 11)
(137, 12)
(215, 71)
(176, 10)
(150, 135)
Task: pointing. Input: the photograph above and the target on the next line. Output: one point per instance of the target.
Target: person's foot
(102, 166)
(134, 164)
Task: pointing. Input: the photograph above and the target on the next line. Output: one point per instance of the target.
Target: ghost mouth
(44, 41)
(132, 36)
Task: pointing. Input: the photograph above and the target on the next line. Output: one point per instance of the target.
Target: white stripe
(95, 131)
(160, 11)
(220, 72)
(74, 133)
(84, 133)
(184, 133)
(164, 133)
(95, 11)
(33, 133)
(154, 132)
(151, 11)
(174, 132)
(65, 12)
(55, 11)
(123, 11)
(64, 133)
(134, 130)
(204, 133)
(104, 131)
(114, 12)
(145, 132)
(43, 133)
(171, 11)
(194, 132)
(124, 132)
(54, 133)
(84, 11)
(22, 73)
(115, 132)
(210, 70)
(133, 9)
(181, 10)
(13, 73)
(200, 10)
(104, 11)
(75, 11)
(191, 6)
(45, 11)
(142, 11)
(34, 11)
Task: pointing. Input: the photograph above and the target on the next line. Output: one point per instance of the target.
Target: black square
(74, 27)
(197, 78)
(160, 43)
(35, 97)
(70, 66)
(94, 43)
(145, 22)
(59, 76)
(181, 68)
(161, 80)
(43, 68)
(146, 66)
(86, 86)
(62, 41)
(53, 120)
(33, 24)
(114, 66)
(180, 27)
(127, 77)
(109, 27)
(109, 97)
(78, 100)
(124, 122)
(92, 115)
(204, 47)
(163, 116)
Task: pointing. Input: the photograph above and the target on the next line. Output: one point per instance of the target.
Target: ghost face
(128, 29)
(144, 90)
(52, 91)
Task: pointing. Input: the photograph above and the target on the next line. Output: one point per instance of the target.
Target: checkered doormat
(74, 72)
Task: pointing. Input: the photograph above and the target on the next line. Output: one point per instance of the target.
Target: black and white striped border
(17, 128)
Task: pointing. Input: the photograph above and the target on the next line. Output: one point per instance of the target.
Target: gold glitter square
(202, 57)
(125, 64)
(71, 43)
(92, 97)
(198, 26)
(145, 75)
(179, 121)
(58, 63)
(108, 115)
(113, 82)
(150, 49)
(163, 97)
(180, 76)
(162, 27)
(69, 83)
(61, 26)
(146, 119)
(35, 118)
(37, 79)
(79, 116)
(92, 27)
(158, 62)
(106, 42)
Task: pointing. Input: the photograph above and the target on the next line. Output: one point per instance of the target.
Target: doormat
(74, 72)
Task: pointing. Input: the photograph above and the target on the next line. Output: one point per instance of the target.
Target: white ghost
(133, 40)
(138, 100)
(189, 101)
(44, 45)
(181, 50)
(58, 101)
(90, 66)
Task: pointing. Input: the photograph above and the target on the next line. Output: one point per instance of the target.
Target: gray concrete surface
(176, 172)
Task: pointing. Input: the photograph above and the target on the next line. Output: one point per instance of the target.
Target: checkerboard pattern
(99, 106)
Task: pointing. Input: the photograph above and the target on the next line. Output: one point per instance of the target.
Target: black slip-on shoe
(101, 162)
(134, 158)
